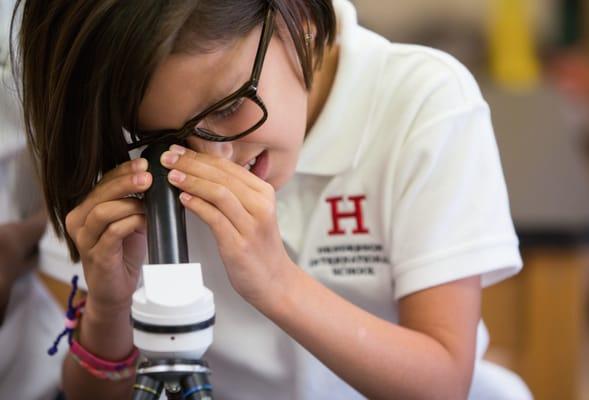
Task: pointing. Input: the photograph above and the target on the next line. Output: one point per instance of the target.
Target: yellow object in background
(513, 57)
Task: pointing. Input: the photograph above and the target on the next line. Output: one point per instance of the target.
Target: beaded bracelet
(102, 369)
(72, 317)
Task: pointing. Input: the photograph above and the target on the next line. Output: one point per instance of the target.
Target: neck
(322, 83)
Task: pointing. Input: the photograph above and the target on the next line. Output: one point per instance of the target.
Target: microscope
(173, 313)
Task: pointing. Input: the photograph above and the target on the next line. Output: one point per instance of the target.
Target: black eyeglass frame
(248, 90)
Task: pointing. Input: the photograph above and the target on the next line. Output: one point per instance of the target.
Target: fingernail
(185, 197)
(169, 158)
(140, 165)
(140, 179)
(176, 176)
(177, 149)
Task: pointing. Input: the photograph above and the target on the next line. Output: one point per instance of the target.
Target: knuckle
(224, 163)
(100, 213)
(136, 205)
(251, 229)
(217, 161)
(266, 210)
(217, 220)
(128, 166)
(78, 237)
(242, 245)
(220, 193)
(114, 230)
(124, 181)
(70, 223)
(98, 259)
(128, 180)
(91, 258)
(104, 178)
(137, 220)
(107, 176)
(268, 189)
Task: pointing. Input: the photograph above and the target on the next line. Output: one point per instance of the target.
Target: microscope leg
(147, 388)
(197, 387)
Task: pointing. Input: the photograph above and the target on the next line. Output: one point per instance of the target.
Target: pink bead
(71, 323)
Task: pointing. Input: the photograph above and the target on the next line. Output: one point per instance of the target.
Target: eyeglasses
(230, 119)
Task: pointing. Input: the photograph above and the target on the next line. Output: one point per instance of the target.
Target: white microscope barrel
(173, 313)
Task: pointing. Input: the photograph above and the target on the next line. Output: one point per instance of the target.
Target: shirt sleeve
(451, 217)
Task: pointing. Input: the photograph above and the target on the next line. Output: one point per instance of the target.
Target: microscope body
(173, 313)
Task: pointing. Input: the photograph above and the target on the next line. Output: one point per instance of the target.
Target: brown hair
(84, 67)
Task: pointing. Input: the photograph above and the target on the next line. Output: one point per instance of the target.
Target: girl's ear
(307, 43)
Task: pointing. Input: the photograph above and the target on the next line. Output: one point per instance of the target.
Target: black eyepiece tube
(166, 225)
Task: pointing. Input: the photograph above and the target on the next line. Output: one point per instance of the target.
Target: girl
(344, 194)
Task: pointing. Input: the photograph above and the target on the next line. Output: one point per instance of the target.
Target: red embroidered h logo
(337, 215)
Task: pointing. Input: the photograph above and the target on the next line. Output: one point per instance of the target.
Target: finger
(103, 215)
(127, 168)
(254, 197)
(127, 179)
(115, 189)
(205, 163)
(111, 241)
(219, 224)
(215, 194)
(246, 195)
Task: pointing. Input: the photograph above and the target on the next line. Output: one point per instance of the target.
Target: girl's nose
(223, 150)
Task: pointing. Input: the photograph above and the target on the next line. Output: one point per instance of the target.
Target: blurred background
(531, 59)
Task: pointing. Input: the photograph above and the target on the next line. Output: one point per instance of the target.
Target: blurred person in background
(29, 317)
(571, 74)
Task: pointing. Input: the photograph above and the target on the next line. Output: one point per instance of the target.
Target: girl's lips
(262, 166)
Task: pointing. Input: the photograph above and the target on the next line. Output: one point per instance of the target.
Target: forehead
(184, 84)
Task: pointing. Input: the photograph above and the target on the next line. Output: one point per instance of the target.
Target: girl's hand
(240, 210)
(108, 229)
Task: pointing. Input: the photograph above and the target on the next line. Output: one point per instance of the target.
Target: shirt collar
(334, 143)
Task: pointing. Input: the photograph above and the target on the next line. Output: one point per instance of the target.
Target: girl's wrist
(105, 330)
(102, 312)
(280, 293)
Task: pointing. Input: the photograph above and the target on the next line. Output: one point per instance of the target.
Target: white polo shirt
(399, 188)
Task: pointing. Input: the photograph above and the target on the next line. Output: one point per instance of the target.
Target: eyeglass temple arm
(265, 38)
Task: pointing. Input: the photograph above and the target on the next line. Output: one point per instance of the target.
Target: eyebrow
(222, 94)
